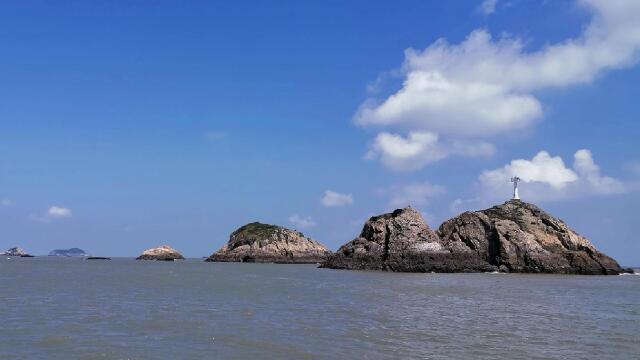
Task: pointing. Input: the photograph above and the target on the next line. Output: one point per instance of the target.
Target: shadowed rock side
(512, 237)
(163, 253)
(256, 242)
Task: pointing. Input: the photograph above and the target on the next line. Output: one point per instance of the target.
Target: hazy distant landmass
(73, 252)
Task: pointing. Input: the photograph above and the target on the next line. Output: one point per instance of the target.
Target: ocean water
(52, 308)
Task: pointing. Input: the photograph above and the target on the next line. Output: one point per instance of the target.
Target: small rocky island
(257, 242)
(16, 252)
(161, 253)
(73, 252)
(513, 237)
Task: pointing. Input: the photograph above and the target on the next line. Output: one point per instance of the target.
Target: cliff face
(520, 237)
(512, 237)
(257, 242)
(162, 253)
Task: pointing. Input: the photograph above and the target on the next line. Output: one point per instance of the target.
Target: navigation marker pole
(515, 181)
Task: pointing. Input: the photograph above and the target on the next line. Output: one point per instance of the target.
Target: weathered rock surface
(163, 253)
(401, 241)
(257, 242)
(16, 251)
(73, 252)
(512, 237)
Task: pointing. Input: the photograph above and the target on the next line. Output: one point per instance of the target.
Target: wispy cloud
(488, 7)
(334, 199)
(6, 202)
(215, 135)
(302, 222)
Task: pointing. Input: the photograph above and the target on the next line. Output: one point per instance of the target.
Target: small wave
(634, 273)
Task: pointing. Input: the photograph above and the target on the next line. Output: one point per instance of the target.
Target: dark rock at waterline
(73, 252)
(161, 253)
(257, 242)
(512, 237)
(98, 258)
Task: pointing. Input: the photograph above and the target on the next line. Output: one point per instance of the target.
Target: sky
(125, 125)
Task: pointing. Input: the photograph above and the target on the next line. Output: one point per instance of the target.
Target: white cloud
(332, 198)
(53, 213)
(421, 148)
(418, 194)
(483, 87)
(6, 202)
(488, 7)
(57, 212)
(546, 177)
(302, 222)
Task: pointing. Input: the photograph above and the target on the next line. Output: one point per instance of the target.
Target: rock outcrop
(73, 252)
(16, 252)
(512, 237)
(162, 253)
(257, 242)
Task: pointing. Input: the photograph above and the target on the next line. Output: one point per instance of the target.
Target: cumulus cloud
(546, 177)
(333, 199)
(483, 86)
(302, 222)
(418, 194)
(421, 148)
(488, 7)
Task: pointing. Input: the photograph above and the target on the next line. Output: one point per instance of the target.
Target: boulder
(163, 253)
(512, 237)
(257, 242)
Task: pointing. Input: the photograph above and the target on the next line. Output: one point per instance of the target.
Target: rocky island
(257, 242)
(161, 253)
(512, 237)
(16, 252)
(73, 252)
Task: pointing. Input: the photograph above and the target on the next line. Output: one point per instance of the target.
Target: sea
(72, 308)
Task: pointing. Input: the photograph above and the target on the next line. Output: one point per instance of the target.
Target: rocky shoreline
(513, 237)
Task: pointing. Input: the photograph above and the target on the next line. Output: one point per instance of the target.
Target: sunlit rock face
(162, 253)
(257, 242)
(512, 237)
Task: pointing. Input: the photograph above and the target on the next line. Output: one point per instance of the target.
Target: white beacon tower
(515, 181)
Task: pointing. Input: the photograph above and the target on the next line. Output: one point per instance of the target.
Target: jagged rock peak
(258, 242)
(164, 253)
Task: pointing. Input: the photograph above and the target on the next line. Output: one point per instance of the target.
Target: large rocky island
(257, 242)
(513, 237)
(161, 253)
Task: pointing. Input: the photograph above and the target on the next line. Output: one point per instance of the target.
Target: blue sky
(126, 125)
